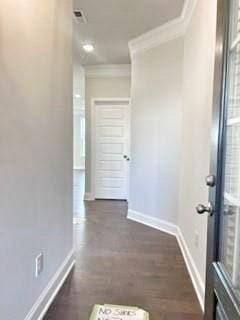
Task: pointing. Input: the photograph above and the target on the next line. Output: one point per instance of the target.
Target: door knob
(201, 209)
(211, 181)
(126, 157)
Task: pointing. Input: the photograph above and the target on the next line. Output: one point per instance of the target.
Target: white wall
(156, 127)
(36, 147)
(101, 87)
(172, 88)
(199, 48)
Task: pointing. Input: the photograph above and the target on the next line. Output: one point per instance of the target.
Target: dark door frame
(217, 286)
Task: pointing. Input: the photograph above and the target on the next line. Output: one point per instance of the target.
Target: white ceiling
(112, 23)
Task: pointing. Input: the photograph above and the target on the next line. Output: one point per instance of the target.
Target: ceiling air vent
(79, 16)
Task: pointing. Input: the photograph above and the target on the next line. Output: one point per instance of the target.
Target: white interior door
(111, 149)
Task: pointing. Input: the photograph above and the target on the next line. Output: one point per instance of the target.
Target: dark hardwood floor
(122, 262)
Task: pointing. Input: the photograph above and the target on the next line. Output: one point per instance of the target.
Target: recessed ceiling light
(77, 96)
(88, 47)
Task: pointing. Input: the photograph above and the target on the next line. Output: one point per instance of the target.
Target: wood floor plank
(122, 262)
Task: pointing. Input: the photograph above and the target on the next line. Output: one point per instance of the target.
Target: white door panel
(112, 143)
(111, 113)
(111, 123)
(110, 166)
(111, 157)
(111, 131)
(112, 183)
(112, 148)
(109, 193)
(115, 174)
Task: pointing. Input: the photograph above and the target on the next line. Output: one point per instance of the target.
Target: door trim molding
(174, 230)
(88, 196)
(94, 101)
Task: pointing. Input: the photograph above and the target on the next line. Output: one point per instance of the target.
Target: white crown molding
(108, 71)
(156, 37)
(169, 31)
(187, 12)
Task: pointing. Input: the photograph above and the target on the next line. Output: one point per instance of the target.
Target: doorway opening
(78, 143)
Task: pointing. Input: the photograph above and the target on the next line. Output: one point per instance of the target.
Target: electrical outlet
(196, 239)
(39, 265)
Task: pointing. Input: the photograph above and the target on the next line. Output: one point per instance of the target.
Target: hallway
(119, 261)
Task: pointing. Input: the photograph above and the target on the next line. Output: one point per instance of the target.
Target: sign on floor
(112, 312)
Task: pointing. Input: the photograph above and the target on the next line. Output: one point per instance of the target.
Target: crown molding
(108, 71)
(187, 12)
(169, 31)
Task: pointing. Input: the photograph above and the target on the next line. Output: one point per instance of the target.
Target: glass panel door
(230, 213)
(223, 268)
(220, 313)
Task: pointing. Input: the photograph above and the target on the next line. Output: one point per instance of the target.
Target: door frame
(94, 101)
(216, 282)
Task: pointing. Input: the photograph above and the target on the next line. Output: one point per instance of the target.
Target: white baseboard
(152, 222)
(44, 301)
(89, 197)
(192, 269)
(175, 231)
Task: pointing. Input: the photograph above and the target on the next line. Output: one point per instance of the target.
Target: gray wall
(172, 87)
(155, 133)
(199, 49)
(36, 147)
(101, 87)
